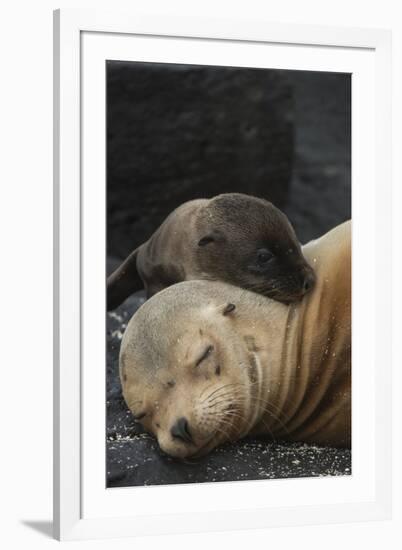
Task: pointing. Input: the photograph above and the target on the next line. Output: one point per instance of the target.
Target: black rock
(320, 193)
(177, 132)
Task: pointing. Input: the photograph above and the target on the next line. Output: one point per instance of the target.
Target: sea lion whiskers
(271, 405)
(226, 398)
(228, 427)
(236, 396)
(231, 422)
(274, 288)
(228, 414)
(267, 407)
(275, 417)
(221, 388)
(205, 389)
(270, 409)
(224, 432)
(239, 400)
(277, 411)
(262, 288)
(233, 391)
(228, 406)
(228, 418)
(228, 403)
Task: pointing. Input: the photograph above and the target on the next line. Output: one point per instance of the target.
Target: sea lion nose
(308, 283)
(181, 430)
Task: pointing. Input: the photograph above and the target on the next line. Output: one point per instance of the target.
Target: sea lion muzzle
(181, 430)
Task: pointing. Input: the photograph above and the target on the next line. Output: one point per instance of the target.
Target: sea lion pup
(205, 362)
(236, 238)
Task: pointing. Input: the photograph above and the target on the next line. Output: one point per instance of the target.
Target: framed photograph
(222, 274)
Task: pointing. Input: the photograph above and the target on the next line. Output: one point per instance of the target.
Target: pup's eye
(264, 256)
(206, 353)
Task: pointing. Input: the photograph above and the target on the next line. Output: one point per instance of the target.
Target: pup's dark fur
(236, 238)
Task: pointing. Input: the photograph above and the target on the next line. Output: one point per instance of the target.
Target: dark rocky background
(177, 133)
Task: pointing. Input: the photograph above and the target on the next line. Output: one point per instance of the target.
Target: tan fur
(283, 370)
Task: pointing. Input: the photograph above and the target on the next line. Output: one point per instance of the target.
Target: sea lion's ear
(211, 237)
(206, 240)
(228, 309)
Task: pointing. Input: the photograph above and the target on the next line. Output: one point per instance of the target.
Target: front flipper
(124, 281)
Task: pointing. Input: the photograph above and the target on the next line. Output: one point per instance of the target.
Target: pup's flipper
(123, 282)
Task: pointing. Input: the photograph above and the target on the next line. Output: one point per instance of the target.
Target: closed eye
(207, 352)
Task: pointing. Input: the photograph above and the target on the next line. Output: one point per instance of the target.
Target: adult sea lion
(205, 362)
(236, 238)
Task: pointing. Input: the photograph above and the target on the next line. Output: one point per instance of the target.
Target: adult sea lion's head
(186, 371)
(248, 242)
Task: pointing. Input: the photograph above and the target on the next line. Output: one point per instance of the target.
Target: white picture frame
(83, 507)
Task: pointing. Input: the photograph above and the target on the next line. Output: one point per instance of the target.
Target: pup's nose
(181, 430)
(308, 283)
